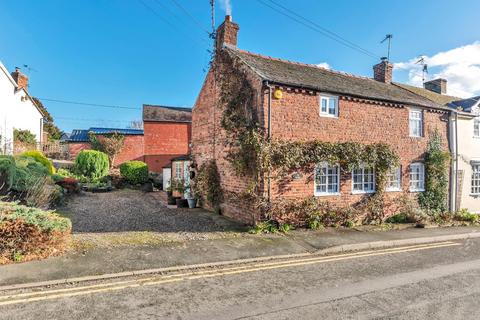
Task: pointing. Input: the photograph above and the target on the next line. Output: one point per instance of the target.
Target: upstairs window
(393, 179)
(363, 179)
(476, 127)
(328, 106)
(476, 178)
(327, 179)
(416, 122)
(417, 177)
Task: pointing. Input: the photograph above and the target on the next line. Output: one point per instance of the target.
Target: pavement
(430, 281)
(109, 260)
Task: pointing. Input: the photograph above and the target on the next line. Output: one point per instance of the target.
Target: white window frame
(326, 113)
(328, 178)
(178, 170)
(420, 181)
(415, 115)
(394, 176)
(363, 168)
(476, 127)
(475, 182)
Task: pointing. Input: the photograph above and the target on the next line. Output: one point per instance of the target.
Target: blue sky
(118, 52)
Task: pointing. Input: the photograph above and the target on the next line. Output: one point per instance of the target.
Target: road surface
(433, 281)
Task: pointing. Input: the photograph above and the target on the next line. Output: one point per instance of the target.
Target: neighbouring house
(298, 102)
(465, 142)
(167, 134)
(17, 109)
(132, 149)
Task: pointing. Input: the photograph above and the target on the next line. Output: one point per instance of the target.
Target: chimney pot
(436, 85)
(383, 71)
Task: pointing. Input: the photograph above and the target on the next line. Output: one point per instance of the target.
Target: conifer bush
(92, 164)
(40, 157)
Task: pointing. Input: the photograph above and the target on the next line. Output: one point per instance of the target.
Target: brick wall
(209, 138)
(132, 149)
(296, 117)
(164, 141)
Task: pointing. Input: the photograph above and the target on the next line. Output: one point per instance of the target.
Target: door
(167, 175)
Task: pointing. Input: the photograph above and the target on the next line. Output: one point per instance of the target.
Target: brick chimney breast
(20, 78)
(226, 33)
(383, 71)
(437, 86)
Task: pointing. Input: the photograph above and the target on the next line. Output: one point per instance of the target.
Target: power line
(316, 27)
(91, 120)
(192, 17)
(171, 25)
(88, 104)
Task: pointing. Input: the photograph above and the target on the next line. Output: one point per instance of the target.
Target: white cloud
(324, 65)
(460, 66)
(226, 6)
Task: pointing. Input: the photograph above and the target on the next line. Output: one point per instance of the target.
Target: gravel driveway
(121, 214)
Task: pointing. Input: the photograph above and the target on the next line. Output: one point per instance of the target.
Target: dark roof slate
(466, 104)
(165, 113)
(323, 80)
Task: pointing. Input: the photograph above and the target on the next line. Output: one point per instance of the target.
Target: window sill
(416, 137)
(416, 190)
(326, 194)
(393, 190)
(363, 192)
(323, 115)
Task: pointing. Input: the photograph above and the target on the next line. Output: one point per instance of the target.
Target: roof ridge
(311, 65)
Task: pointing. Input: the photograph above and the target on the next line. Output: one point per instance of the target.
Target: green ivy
(434, 199)
(207, 184)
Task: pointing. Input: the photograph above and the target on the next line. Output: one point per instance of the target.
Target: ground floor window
(178, 170)
(417, 177)
(363, 179)
(393, 179)
(327, 179)
(476, 178)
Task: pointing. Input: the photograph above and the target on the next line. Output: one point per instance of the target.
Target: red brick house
(167, 134)
(300, 102)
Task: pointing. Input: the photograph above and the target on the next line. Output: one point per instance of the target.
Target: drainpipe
(269, 133)
(453, 128)
(456, 159)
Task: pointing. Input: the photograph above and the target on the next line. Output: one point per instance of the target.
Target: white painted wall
(17, 110)
(468, 151)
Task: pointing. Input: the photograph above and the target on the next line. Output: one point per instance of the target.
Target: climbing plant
(207, 184)
(434, 199)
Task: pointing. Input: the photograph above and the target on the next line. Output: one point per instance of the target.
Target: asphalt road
(437, 281)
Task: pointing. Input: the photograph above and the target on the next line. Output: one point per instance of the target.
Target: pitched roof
(82, 135)
(441, 99)
(467, 105)
(165, 113)
(320, 79)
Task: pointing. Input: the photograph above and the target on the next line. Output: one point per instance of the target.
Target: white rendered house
(17, 109)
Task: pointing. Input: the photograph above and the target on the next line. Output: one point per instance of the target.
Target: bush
(40, 157)
(135, 172)
(91, 164)
(29, 233)
(24, 136)
(464, 215)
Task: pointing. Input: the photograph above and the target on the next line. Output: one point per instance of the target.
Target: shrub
(24, 136)
(28, 233)
(92, 164)
(464, 215)
(40, 157)
(397, 218)
(135, 172)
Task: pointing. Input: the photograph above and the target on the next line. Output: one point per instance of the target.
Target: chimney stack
(20, 78)
(226, 33)
(383, 71)
(438, 86)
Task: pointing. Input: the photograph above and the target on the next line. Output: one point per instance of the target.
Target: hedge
(92, 164)
(40, 157)
(135, 172)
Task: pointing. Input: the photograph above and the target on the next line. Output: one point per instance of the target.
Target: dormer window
(328, 106)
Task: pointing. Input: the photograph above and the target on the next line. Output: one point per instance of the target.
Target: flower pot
(192, 203)
(182, 203)
(172, 200)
